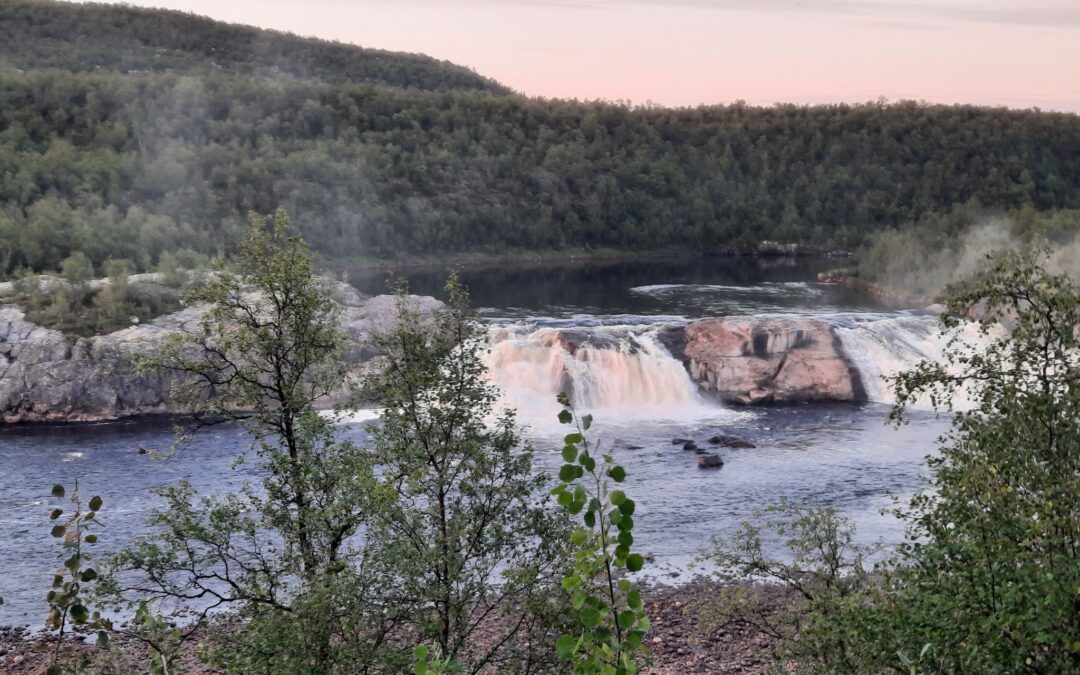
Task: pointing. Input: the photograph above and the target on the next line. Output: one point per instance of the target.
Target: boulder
(757, 360)
(710, 462)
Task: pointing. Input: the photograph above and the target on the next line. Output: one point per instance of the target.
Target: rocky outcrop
(753, 360)
(44, 377)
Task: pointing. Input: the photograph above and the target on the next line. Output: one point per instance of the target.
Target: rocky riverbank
(849, 276)
(47, 377)
(679, 641)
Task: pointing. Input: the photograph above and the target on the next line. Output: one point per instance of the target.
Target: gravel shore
(679, 644)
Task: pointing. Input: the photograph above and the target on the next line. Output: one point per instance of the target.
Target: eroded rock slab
(757, 360)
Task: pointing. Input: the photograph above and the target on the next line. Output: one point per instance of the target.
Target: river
(839, 454)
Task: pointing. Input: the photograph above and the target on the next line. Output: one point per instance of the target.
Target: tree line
(134, 166)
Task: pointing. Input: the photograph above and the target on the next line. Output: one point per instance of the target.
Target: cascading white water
(885, 347)
(621, 369)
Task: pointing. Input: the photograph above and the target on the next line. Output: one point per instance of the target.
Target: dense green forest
(185, 125)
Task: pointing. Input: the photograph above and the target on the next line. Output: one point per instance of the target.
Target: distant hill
(37, 34)
(150, 135)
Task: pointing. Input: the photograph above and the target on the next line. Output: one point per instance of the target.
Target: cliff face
(752, 360)
(43, 377)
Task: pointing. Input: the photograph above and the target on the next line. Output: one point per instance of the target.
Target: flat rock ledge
(46, 378)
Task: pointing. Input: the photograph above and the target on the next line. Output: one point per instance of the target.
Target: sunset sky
(1019, 53)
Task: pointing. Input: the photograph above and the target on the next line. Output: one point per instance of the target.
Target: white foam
(883, 348)
(357, 416)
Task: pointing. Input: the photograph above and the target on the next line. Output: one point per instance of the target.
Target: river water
(839, 454)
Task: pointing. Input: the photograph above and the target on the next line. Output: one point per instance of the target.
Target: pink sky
(1019, 53)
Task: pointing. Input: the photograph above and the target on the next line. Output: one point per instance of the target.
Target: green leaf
(569, 454)
(634, 562)
(565, 417)
(58, 491)
(58, 530)
(79, 613)
(617, 497)
(578, 536)
(627, 507)
(420, 653)
(586, 422)
(565, 499)
(633, 599)
(95, 503)
(569, 472)
(590, 518)
(626, 539)
(590, 617)
(577, 599)
(626, 619)
(90, 539)
(588, 462)
(88, 575)
(617, 473)
(102, 638)
(573, 439)
(565, 646)
(625, 523)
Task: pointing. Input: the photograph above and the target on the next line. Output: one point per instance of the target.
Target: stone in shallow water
(710, 462)
(731, 441)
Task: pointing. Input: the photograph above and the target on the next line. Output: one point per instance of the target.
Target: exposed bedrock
(751, 360)
(44, 377)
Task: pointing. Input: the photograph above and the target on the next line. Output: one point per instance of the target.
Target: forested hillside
(94, 37)
(138, 164)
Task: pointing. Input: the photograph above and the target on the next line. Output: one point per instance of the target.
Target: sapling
(610, 612)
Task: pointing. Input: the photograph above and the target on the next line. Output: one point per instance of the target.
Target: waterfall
(885, 347)
(623, 370)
